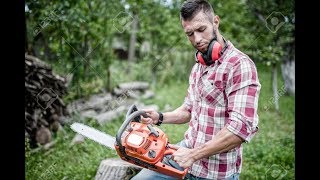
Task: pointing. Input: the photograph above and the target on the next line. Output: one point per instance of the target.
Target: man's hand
(183, 156)
(153, 117)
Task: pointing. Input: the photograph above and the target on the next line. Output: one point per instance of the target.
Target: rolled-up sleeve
(243, 89)
(190, 94)
(187, 100)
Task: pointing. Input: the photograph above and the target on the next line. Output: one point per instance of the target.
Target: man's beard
(214, 36)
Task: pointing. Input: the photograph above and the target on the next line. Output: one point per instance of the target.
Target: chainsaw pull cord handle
(125, 124)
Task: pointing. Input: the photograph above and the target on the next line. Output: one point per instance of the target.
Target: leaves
(81, 33)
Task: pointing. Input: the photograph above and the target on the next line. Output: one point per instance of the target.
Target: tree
(73, 36)
(278, 43)
(262, 29)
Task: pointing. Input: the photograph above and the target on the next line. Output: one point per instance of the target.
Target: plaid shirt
(223, 94)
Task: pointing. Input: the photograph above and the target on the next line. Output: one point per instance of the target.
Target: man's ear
(216, 21)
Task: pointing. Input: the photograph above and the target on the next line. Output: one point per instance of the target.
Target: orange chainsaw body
(147, 149)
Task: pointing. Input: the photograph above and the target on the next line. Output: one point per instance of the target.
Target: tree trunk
(85, 54)
(275, 86)
(108, 80)
(288, 70)
(87, 47)
(26, 49)
(109, 58)
(288, 74)
(133, 38)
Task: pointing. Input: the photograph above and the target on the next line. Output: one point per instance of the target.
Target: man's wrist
(197, 152)
(160, 120)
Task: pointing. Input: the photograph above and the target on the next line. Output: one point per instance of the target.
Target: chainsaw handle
(169, 151)
(132, 109)
(125, 124)
(174, 171)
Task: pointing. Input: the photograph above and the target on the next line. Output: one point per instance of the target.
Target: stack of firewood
(44, 107)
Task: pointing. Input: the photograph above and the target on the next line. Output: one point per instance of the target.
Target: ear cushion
(200, 58)
(213, 53)
(215, 50)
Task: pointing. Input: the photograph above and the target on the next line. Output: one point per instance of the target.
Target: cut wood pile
(44, 107)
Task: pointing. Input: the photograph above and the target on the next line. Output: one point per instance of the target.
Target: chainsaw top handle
(132, 114)
(132, 109)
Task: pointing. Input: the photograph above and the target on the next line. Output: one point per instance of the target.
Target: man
(221, 104)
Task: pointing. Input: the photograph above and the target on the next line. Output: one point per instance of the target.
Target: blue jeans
(146, 174)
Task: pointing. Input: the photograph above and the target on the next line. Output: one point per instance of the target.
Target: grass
(269, 155)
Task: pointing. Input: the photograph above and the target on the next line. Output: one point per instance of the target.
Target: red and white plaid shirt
(223, 94)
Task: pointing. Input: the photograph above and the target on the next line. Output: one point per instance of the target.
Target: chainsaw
(137, 143)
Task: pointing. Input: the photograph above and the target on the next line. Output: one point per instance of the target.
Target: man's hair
(191, 8)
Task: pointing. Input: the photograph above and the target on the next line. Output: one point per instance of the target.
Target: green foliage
(275, 24)
(73, 36)
(27, 147)
(262, 29)
(77, 39)
(84, 89)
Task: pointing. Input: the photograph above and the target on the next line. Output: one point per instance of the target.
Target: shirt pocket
(213, 93)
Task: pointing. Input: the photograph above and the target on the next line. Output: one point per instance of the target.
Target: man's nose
(197, 37)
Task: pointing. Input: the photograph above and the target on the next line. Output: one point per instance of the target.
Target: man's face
(200, 30)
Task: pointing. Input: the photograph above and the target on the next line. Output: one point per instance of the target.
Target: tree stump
(115, 168)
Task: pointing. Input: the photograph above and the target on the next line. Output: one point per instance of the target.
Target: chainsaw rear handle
(129, 118)
(171, 170)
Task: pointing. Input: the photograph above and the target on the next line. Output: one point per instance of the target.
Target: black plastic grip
(132, 109)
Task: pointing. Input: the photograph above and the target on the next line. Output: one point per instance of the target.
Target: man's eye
(189, 34)
(202, 29)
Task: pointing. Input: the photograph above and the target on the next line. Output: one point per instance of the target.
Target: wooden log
(135, 85)
(148, 94)
(77, 139)
(43, 135)
(110, 115)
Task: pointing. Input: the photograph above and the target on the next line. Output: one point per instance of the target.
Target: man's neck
(220, 40)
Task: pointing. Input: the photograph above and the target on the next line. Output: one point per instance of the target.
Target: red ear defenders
(213, 53)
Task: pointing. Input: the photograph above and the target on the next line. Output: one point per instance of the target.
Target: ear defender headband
(213, 53)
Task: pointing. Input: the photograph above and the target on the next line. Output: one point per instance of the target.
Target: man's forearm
(222, 142)
(179, 116)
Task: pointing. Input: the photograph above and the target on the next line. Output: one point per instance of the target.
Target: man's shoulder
(195, 68)
(235, 57)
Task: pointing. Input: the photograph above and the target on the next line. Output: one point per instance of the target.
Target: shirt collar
(227, 51)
